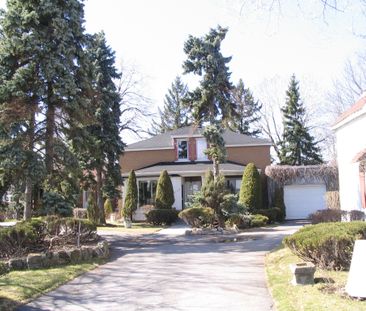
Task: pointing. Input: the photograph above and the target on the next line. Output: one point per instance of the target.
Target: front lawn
(137, 228)
(327, 294)
(17, 287)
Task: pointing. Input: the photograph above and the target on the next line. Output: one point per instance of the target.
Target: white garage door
(302, 200)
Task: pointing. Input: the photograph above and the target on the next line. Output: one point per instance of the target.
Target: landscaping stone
(4, 267)
(75, 255)
(36, 260)
(17, 263)
(86, 252)
(210, 231)
(303, 273)
(64, 257)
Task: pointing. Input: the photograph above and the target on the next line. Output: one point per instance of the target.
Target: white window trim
(185, 159)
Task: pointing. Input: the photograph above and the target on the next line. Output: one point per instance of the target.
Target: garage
(303, 200)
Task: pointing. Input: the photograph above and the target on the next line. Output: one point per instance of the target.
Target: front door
(191, 185)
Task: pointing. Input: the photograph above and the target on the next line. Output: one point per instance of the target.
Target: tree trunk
(50, 133)
(99, 196)
(28, 180)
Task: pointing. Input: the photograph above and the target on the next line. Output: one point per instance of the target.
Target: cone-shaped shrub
(164, 192)
(251, 189)
(130, 204)
(209, 178)
(108, 208)
(92, 209)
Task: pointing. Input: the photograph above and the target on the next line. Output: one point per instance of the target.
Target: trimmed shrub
(130, 204)
(198, 217)
(274, 214)
(241, 221)
(164, 192)
(92, 209)
(108, 207)
(327, 245)
(21, 237)
(355, 215)
(327, 215)
(332, 200)
(280, 203)
(80, 213)
(251, 188)
(258, 220)
(162, 216)
(4, 268)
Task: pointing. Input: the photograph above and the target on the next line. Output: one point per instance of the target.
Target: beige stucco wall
(133, 160)
(259, 155)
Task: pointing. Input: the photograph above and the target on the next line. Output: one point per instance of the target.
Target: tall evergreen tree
(175, 113)
(298, 146)
(131, 199)
(164, 197)
(212, 100)
(247, 111)
(102, 145)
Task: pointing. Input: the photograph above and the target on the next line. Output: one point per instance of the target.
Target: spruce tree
(298, 146)
(247, 111)
(130, 204)
(102, 145)
(175, 113)
(164, 192)
(251, 188)
(212, 100)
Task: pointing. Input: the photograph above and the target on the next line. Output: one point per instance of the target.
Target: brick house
(181, 153)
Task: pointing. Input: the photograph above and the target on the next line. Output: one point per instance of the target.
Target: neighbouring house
(350, 129)
(181, 153)
(306, 189)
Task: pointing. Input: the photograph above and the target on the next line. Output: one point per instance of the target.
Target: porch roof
(188, 169)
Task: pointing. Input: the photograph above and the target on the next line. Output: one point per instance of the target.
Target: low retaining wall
(58, 257)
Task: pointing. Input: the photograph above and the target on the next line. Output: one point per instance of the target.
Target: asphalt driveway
(158, 272)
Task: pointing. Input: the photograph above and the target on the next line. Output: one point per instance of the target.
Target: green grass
(137, 228)
(18, 287)
(327, 294)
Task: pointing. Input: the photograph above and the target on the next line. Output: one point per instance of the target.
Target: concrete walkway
(155, 272)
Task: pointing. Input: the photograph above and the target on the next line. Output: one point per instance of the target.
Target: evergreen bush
(108, 207)
(162, 216)
(327, 245)
(92, 209)
(130, 204)
(251, 190)
(198, 217)
(164, 192)
(280, 202)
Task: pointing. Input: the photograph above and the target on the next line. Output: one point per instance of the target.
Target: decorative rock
(303, 273)
(63, 257)
(36, 260)
(86, 252)
(4, 267)
(75, 255)
(17, 263)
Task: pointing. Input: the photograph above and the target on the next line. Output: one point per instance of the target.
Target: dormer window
(182, 149)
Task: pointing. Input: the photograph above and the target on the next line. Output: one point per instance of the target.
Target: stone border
(57, 258)
(210, 231)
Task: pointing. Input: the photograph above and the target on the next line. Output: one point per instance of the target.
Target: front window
(233, 184)
(182, 149)
(147, 190)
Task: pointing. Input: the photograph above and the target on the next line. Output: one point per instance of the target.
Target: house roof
(188, 169)
(165, 140)
(358, 106)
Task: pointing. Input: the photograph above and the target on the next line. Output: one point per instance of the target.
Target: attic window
(182, 149)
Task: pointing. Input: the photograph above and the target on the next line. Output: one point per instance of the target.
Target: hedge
(198, 217)
(327, 245)
(162, 216)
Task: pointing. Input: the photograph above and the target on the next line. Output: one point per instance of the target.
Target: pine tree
(247, 111)
(298, 146)
(164, 192)
(130, 204)
(251, 189)
(175, 113)
(212, 100)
